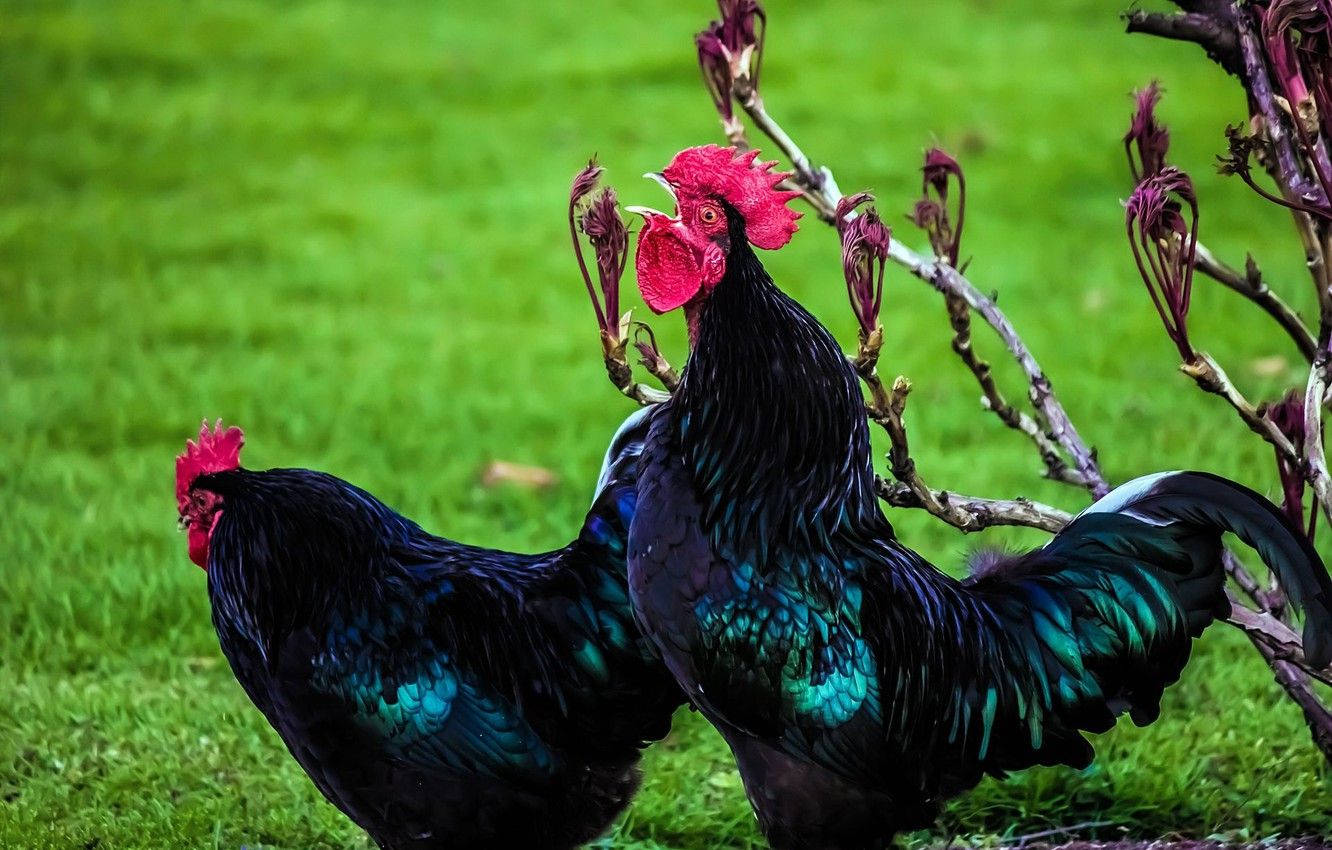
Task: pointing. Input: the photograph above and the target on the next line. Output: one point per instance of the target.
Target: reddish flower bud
(731, 48)
(605, 229)
(1149, 138)
(846, 206)
(931, 212)
(585, 181)
(1288, 416)
(865, 242)
(715, 62)
(938, 168)
(1161, 217)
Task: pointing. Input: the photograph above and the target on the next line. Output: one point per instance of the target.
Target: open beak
(661, 179)
(649, 212)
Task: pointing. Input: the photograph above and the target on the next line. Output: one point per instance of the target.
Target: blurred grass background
(341, 225)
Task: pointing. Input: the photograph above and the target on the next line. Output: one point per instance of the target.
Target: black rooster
(441, 695)
(857, 685)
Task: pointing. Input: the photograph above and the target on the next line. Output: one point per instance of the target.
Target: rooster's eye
(708, 215)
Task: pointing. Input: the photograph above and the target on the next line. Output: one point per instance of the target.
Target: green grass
(341, 225)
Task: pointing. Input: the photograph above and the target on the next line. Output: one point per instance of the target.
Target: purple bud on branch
(605, 229)
(1161, 217)
(647, 348)
(931, 212)
(1297, 38)
(865, 242)
(731, 48)
(846, 206)
(1288, 416)
(1146, 135)
(716, 66)
(584, 182)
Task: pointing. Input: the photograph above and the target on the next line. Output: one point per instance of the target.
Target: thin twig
(1250, 284)
(621, 374)
(976, 513)
(1316, 259)
(1243, 578)
(1213, 379)
(1056, 468)
(1315, 460)
(1059, 830)
(967, 513)
(1276, 636)
(1041, 392)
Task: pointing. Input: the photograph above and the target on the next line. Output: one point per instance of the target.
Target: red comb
(746, 184)
(216, 451)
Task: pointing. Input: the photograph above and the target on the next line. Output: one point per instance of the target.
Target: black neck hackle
(771, 417)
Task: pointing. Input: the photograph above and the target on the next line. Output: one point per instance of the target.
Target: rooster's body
(441, 695)
(857, 685)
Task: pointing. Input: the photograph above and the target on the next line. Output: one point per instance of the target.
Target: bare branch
(1243, 578)
(949, 281)
(1316, 715)
(1213, 379)
(1214, 36)
(1315, 466)
(1056, 468)
(1282, 642)
(966, 513)
(979, 513)
(1250, 284)
(621, 374)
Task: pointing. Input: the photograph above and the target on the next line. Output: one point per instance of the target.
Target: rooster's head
(217, 450)
(717, 192)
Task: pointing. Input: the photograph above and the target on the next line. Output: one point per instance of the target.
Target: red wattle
(198, 540)
(671, 271)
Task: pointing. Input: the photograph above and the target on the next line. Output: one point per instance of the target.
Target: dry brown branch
(1320, 271)
(1243, 578)
(1315, 466)
(1041, 392)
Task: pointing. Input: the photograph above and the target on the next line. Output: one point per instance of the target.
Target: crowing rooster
(857, 685)
(441, 695)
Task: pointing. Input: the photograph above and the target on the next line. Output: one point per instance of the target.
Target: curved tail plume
(1208, 504)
